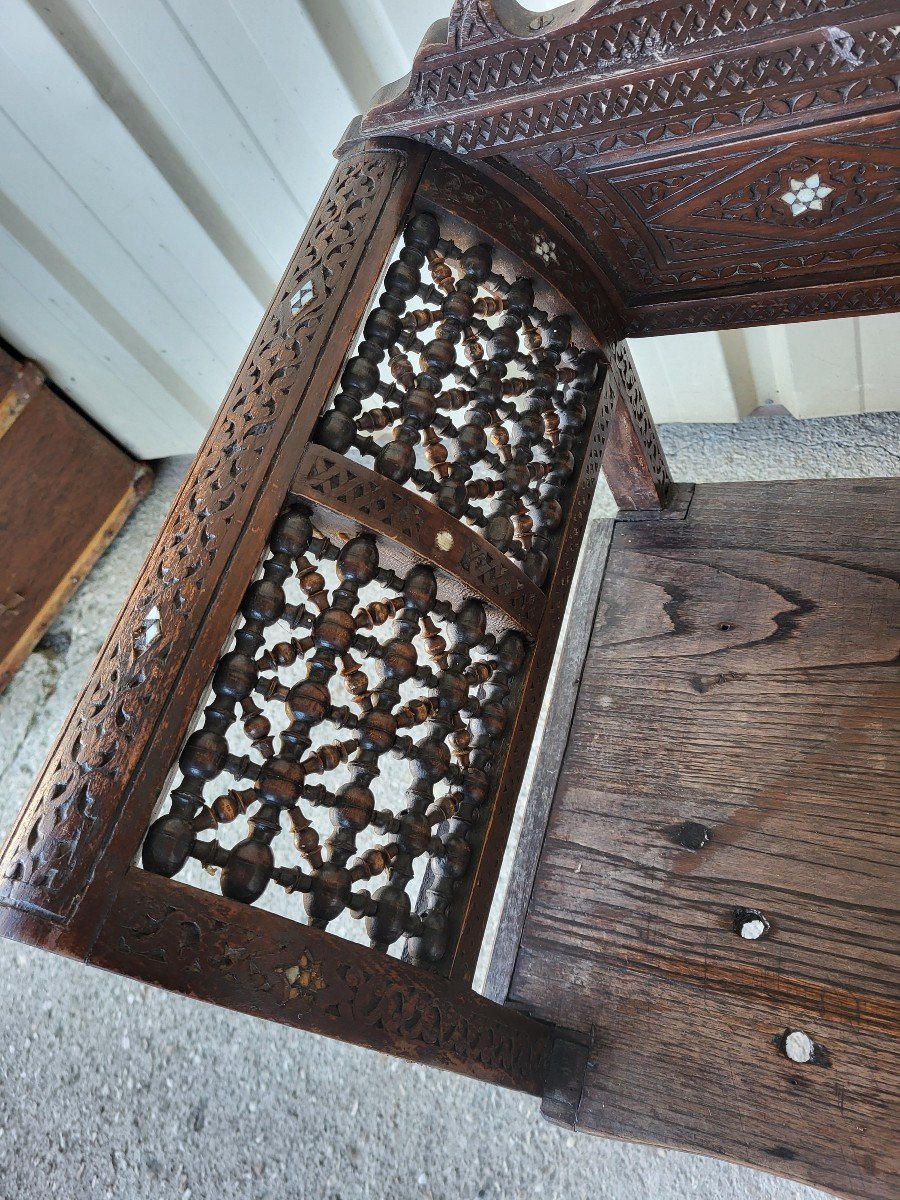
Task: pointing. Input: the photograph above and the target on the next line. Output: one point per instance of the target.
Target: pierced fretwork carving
(350, 679)
(476, 399)
(48, 856)
(457, 434)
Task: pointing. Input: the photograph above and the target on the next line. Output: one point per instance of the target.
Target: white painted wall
(158, 161)
(813, 369)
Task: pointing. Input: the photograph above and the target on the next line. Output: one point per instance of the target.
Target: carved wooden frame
(67, 879)
(67, 876)
(647, 126)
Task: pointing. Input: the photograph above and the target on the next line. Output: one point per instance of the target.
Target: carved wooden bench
(364, 578)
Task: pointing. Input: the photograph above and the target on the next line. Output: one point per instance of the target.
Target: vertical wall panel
(158, 160)
(687, 374)
(879, 350)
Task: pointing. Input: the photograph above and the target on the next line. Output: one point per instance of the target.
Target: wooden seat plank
(735, 747)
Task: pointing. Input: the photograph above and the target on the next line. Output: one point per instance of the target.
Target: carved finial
(474, 23)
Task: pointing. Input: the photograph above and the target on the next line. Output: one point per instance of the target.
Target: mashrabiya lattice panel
(373, 665)
(485, 418)
(49, 860)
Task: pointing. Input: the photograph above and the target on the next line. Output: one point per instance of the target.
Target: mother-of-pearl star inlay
(806, 194)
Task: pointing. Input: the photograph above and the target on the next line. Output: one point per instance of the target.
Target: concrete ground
(112, 1089)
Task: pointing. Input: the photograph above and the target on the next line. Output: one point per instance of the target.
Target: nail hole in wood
(783, 1152)
(725, 627)
(691, 835)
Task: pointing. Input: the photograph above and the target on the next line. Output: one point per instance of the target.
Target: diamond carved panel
(816, 204)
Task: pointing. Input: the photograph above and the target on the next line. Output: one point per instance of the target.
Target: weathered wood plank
(734, 747)
(65, 492)
(816, 516)
(550, 745)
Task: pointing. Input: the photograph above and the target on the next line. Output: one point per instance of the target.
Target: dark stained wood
(735, 748)
(422, 417)
(667, 137)
(533, 234)
(624, 466)
(224, 952)
(500, 536)
(349, 496)
(677, 506)
(565, 1078)
(100, 785)
(634, 462)
(512, 445)
(536, 240)
(65, 491)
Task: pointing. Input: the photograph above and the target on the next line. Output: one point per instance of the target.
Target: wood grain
(742, 678)
(550, 741)
(228, 953)
(65, 492)
(66, 878)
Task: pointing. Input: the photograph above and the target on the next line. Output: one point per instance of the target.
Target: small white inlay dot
(444, 540)
(799, 1047)
(751, 930)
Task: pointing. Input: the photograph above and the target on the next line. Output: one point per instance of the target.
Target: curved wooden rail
(347, 494)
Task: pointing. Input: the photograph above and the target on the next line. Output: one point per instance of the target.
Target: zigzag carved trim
(367, 499)
(644, 100)
(769, 308)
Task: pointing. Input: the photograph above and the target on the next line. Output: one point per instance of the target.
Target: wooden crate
(65, 491)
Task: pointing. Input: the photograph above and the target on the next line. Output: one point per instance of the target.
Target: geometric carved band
(491, 88)
(767, 308)
(370, 500)
(218, 950)
(586, 108)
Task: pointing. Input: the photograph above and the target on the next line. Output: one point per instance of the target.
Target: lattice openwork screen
(487, 425)
(359, 724)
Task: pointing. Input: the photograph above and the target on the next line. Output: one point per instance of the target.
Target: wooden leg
(634, 463)
(625, 465)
